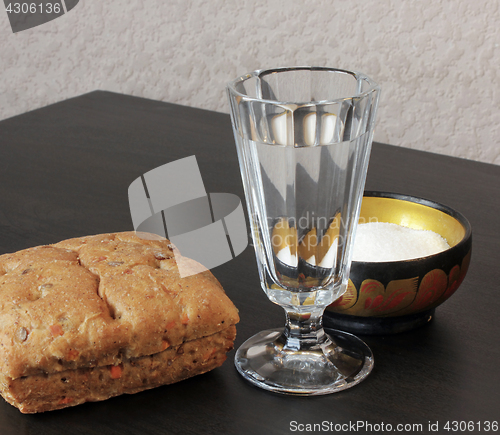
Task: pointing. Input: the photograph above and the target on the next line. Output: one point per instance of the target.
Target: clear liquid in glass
(301, 216)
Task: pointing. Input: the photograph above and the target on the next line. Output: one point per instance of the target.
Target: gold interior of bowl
(411, 215)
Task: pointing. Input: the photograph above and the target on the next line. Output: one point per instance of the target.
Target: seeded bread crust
(92, 304)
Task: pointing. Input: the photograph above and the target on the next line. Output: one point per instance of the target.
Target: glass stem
(304, 331)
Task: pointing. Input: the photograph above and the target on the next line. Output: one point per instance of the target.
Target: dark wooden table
(65, 171)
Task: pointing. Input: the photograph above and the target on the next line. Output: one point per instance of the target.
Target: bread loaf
(90, 318)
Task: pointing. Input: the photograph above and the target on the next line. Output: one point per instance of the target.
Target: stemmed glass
(303, 137)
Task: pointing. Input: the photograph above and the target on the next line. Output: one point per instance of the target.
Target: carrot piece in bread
(72, 355)
(65, 400)
(116, 372)
(56, 330)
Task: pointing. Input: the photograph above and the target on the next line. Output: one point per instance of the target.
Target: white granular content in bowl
(381, 241)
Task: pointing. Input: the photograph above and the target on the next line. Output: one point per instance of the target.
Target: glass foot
(339, 362)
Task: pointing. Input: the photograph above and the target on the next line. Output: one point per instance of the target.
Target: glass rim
(231, 86)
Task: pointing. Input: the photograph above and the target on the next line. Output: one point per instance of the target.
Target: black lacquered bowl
(396, 296)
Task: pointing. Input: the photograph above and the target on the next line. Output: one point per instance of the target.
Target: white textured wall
(438, 61)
